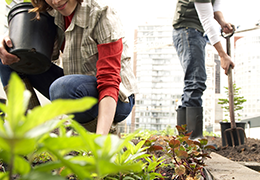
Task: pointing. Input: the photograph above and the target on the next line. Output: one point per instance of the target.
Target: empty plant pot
(32, 39)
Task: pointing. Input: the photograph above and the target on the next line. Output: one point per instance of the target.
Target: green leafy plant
(238, 101)
(10, 1)
(21, 134)
(138, 153)
(31, 150)
(211, 134)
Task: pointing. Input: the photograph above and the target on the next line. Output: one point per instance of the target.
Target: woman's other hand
(6, 57)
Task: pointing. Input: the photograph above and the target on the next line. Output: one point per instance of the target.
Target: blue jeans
(54, 85)
(78, 86)
(190, 46)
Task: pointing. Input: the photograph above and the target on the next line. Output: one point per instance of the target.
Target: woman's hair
(41, 6)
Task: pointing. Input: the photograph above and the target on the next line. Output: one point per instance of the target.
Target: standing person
(193, 19)
(95, 61)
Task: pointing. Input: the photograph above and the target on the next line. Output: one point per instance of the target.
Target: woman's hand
(106, 113)
(7, 58)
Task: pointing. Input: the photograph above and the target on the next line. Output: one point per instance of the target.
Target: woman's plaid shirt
(91, 25)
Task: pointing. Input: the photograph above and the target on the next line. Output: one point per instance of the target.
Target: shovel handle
(231, 98)
(230, 80)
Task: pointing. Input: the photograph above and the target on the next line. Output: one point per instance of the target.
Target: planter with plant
(33, 38)
(225, 124)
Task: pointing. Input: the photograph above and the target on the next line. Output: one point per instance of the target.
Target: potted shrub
(225, 124)
(33, 38)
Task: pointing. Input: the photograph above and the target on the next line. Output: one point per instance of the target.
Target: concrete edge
(222, 168)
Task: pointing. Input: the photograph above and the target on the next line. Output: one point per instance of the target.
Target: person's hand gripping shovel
(233, 128)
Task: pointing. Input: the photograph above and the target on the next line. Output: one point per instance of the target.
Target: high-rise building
(160, 79)
(4, 9)
(247, 72)
(3, 17)
(159, 74)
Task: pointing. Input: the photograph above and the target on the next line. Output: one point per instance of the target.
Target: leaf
(20, 146)
(64, 143)
(148, 142)
(48, 166)
(17, 102)
(41, 175)
(87, 137)
(74, 167)
(189, 142)
(203, 142)
(21, 166)
(181, 129)
(4, 145)
(4, 176)
(54, 109)
(155, 148)
(209, 147)
(180, 170)
(116, 168)
(44, 128)
(8, 1)
(182, 154)
(109, 145)
(174, 143)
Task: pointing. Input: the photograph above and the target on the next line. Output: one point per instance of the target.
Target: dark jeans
(54, 85)
(190, 46)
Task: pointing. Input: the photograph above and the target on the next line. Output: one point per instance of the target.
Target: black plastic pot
(32, 39)
(226, 125)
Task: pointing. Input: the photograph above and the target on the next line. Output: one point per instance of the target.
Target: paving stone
(222, 168)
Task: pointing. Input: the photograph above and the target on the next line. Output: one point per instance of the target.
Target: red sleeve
(108, 69)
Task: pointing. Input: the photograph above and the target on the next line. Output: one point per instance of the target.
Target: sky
(133, 12)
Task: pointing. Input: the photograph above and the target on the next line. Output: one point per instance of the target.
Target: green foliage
(10, 1)
(26, 141)
(206, 133)
(32, 151)
(146, 133)
(238, 101)
(168, 131)
(21, 134)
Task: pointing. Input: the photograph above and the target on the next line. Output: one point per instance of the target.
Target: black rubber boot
(181, 116)
(194, 119)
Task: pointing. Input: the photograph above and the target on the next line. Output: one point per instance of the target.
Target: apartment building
(160, 79)
(247, 72)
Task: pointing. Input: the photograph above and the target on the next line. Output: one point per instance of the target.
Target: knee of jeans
(57, 91)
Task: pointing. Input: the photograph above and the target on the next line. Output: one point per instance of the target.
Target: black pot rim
(16, 9)
(230, 122)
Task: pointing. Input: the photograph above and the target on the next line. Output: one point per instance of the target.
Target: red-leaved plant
(185, 156)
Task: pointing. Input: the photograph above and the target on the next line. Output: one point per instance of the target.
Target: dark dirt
(247, 152)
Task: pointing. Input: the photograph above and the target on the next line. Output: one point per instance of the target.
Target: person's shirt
(198, 14)
(91, 25)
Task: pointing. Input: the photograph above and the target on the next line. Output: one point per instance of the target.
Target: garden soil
(247, 152)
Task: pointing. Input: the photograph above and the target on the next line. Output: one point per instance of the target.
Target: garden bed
(248, 152)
